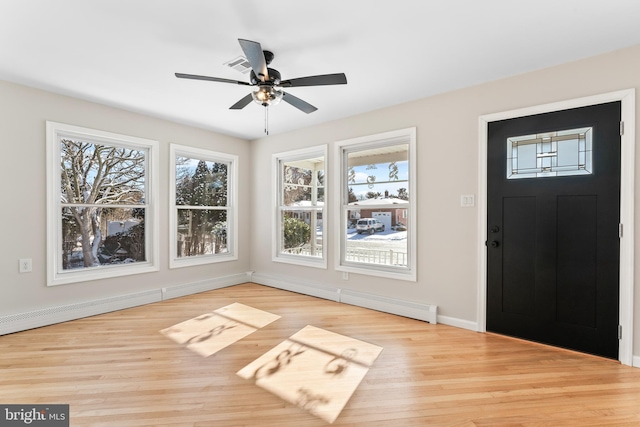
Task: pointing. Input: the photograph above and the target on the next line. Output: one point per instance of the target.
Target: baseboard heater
(425, 312)
(51, 315)
(64, 313)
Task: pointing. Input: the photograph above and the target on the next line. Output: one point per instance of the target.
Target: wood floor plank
(117, 369)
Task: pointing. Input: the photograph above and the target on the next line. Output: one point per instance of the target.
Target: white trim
(52, 315)
(232, 211)
(276, 229)
(458, 323)
(64, 313)
(185, 289)
(410, 309)
(409, 136)
(413, 310)
(54, 238)
(627, 196)
(298, 286)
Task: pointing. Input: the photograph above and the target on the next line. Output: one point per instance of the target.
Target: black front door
(553, 249)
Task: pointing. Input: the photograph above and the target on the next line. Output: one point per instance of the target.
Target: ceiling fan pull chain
(266, 120)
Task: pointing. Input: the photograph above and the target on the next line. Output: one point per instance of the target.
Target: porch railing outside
(384, 257)
(371, 256)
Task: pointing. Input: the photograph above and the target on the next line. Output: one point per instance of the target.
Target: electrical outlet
(26, 265)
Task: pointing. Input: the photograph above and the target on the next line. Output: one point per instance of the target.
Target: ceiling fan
(268, 82)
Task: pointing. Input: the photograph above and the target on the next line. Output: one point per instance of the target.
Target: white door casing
(627, 195)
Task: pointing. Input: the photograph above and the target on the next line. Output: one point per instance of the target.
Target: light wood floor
(118, 370)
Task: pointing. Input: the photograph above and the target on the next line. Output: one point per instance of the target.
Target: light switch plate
(467, 200)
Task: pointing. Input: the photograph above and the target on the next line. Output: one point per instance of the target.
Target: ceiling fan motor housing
(274, 78)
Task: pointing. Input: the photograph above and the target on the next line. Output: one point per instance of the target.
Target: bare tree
(95, 176)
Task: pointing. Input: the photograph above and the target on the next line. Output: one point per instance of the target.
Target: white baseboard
(458, 323)
(51, 315)
(185, 289)
(295, 285)
(636, 362)
(425, 312)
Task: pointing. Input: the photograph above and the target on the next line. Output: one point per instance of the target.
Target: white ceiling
(124, 53)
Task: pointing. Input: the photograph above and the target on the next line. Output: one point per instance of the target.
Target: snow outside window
(300, 194)
(102, 219)
(203, 197)
(377, 205)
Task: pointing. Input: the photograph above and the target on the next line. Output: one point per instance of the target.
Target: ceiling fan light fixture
(267, 81)
(267, 96)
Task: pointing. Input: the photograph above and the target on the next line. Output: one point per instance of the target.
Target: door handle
(494, 244)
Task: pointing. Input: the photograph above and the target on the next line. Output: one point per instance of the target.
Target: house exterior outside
(392, 217)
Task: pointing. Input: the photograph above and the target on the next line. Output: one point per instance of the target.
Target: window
(559, 153)
(377, 205)
(102, 219)
(203, 218)
(300, 207)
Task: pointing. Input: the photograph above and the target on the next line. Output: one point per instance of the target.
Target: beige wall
(447, 129)
(23, 113)
(447, 151)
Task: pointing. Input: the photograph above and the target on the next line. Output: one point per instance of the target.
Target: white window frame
(55, 274)
(232, 211)
(342, 148)
(277, 233)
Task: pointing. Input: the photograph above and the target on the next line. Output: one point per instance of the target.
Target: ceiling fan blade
(212, 79)
(255, 55)
(242, 103)
(322, 80)
(298, 103)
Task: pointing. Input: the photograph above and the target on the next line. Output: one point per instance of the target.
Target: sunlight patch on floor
(315, 369)
(211, 332)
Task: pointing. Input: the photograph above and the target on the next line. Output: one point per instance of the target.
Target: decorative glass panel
(560, 153)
